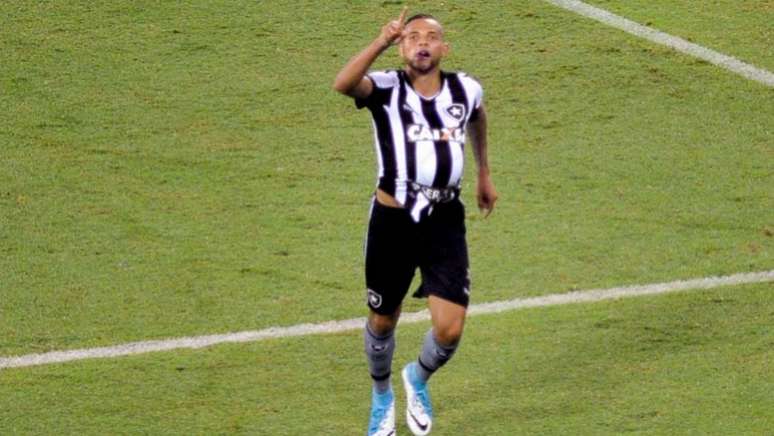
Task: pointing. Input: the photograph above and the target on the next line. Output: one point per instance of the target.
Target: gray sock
(433, 356)
(378, 351)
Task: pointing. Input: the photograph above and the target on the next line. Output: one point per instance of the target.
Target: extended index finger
(402, 18)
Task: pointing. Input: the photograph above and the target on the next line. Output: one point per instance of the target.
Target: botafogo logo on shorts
(374, 299)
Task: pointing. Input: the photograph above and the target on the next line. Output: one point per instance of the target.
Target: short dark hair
(420, 17)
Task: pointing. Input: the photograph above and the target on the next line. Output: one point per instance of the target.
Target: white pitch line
(728, 62)
(357, 323)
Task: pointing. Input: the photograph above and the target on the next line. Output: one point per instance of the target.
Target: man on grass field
(421, 117)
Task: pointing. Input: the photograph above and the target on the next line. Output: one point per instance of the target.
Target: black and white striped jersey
(418, 139)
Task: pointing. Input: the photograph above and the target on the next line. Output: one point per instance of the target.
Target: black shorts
(396, 246)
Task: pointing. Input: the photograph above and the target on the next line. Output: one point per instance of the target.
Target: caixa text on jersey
(419, 132)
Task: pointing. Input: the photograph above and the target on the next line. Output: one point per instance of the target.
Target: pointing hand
(392, 31)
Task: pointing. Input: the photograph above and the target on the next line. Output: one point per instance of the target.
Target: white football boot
(419, 411)
(382, 422)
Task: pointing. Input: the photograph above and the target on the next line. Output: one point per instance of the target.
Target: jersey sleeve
(475, 93)
(384, 82)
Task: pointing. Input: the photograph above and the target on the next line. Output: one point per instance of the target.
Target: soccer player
(421, 117)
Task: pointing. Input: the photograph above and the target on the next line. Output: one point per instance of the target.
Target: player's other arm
(485, 190)
(351, 80)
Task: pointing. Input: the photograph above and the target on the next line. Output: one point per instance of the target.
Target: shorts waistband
(435, 195)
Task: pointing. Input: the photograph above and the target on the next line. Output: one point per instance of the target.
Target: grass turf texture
(689, 363)
(172, 170)
(738, 29)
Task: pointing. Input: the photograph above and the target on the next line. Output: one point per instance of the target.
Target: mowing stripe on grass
(728, 62)
(357, 323)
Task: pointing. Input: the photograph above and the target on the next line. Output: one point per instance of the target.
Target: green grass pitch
(173, 169)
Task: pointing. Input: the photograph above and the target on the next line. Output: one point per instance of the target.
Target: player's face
(422, 45)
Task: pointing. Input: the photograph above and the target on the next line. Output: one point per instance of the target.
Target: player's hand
(485, 194)
(392, 31)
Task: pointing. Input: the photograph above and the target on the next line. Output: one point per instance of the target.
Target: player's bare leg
(383, 324)
(448, 320)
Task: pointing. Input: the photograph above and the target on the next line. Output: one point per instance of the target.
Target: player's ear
(445, 49)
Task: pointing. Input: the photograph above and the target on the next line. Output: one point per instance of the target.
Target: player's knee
(382, 324)
(449, 333)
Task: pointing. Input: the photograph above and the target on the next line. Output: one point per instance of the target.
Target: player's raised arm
(351, 79)
(485, 190)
